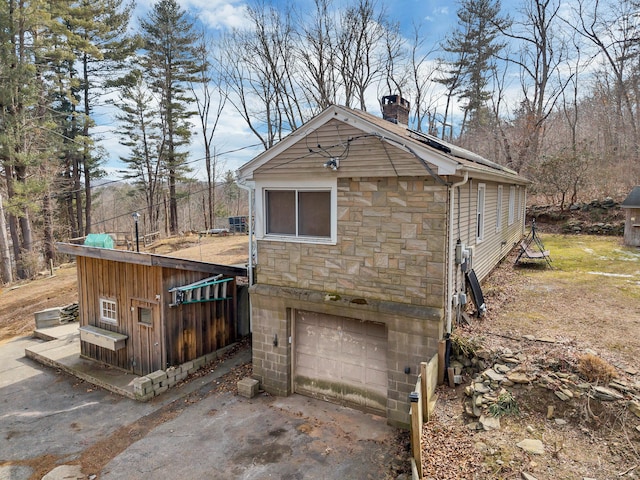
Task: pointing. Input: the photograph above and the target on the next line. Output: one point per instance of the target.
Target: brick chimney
(395, 109)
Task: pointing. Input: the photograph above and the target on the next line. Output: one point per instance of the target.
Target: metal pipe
(451, 253)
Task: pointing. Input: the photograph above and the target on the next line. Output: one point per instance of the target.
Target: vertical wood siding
(196, 329)
(176, 335)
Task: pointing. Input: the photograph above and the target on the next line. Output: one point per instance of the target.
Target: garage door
(341, 360)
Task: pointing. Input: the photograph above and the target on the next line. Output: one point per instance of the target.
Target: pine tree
(473, 46)
(170, 64)
(140, 130)
(29, 34)
(101, 49)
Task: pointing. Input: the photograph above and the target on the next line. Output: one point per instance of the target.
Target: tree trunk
(49, 251)
(86, 160)
(7, 271)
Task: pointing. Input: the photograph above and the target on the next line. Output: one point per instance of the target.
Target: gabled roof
(430, 153)
(633, 199)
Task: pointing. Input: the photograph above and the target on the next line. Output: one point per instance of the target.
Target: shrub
(595, 369)
(505, 405)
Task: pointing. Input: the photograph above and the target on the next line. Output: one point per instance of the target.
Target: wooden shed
(631, 206)
(142, 312)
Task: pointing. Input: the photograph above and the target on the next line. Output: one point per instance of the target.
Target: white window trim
(105, 319)
(512, 204)
(480, 212)
(499, 210)
(520, 209)
(330, 185)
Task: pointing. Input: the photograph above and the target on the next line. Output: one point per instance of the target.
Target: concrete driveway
(49, 419)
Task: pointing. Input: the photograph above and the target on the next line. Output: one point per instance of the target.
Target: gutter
(451, 254)
(250, 192)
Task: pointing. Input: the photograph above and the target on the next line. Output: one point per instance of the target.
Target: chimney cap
(395, 99)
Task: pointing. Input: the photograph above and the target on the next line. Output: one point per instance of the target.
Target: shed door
(147, 340)
(341, 359)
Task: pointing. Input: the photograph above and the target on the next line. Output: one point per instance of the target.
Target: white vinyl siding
(495, 244)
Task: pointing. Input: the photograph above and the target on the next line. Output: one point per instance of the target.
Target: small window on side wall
(480, 213)
(512, 204)
(499, 210)
(108, 311)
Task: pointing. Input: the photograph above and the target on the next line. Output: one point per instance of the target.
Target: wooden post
(424, 401)
(416, 436)
(442, 348)
(430, 374)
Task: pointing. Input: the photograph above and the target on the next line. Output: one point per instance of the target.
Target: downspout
(451, 255)
(250, 192)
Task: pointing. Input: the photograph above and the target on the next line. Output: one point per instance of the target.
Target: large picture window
(298, 213)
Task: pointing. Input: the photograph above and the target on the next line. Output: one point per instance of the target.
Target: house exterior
(142, 312)
(631, 207)
(357, 224)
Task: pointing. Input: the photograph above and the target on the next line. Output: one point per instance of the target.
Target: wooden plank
(442, 346)
(416, 436)
(102, 338)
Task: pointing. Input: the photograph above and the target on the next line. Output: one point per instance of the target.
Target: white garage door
(341, 360)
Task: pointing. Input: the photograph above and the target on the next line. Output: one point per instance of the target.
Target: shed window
(298, 213)
(108, 311)
(144, 316)
(480, 212)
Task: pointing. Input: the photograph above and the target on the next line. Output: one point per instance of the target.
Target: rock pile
(496, 377)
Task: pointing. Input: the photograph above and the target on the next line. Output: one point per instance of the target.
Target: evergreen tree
(473, 46)
(101, 51)
(140, 130)
(30, 40)
(170, 64)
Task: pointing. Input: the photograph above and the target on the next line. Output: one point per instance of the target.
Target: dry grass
(595, 370)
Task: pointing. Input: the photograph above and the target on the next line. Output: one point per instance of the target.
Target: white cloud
(218, 14)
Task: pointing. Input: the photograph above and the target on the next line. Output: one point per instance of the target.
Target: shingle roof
(633, 200)
(447, 158)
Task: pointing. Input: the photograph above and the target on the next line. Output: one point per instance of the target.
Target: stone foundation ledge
(155, 383)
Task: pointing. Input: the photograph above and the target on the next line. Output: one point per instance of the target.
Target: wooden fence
(423, 401)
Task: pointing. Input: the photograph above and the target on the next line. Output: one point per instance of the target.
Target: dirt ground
(589, 301)
(18, 302)
(550, 318)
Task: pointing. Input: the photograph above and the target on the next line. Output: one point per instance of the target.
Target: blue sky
(436, 16)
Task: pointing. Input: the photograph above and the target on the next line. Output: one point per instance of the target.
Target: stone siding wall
(390, 245)
(412, 337)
